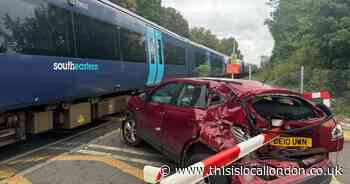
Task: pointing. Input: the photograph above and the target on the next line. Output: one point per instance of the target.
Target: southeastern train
(64, 63)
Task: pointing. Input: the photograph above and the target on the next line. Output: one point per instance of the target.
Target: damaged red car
(190, 119)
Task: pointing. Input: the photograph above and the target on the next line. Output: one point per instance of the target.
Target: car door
(180, 120)
(151, 116)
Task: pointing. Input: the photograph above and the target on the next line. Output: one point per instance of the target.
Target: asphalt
(343, 158)
(99, 156)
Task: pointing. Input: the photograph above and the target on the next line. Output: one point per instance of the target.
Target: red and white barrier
(324, 95)
(222, 159)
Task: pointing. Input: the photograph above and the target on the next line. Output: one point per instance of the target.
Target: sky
(242, 19)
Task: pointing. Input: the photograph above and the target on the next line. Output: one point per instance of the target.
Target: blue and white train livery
(58, 54)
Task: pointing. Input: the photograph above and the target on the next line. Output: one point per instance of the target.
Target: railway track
(20, 157)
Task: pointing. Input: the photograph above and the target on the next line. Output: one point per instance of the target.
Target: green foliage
(150, 9)
(128, 4)
(171, 19)
(205, 37)
(174, 21)
(316, 34)
(317, 31)
(226, 46)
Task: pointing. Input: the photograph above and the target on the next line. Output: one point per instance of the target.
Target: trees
(150, 9)
(316, 34)
(316, 29)
(226, 47)
(205, 37)
(174, 21)
(128, 4)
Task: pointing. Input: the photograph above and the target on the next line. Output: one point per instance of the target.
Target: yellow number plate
(292, 142)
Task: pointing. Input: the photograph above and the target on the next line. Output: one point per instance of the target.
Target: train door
(160, 56)
(155, 57)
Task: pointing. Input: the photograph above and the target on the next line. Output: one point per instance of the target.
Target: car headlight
(337, 132)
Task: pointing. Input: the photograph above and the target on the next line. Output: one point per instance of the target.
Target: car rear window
(283, 107)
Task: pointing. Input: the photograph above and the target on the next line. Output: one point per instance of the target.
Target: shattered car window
(283, 107)
(193, 96)
(167, 94)
(216, 99)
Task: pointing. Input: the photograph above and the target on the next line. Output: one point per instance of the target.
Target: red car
(189, 119)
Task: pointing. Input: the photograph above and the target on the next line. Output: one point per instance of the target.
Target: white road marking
(59, 149)
(98, 153)
(335, 181)
(52, 144)
(119, 157)
(125, 150)
(36, 167)
(104, 136)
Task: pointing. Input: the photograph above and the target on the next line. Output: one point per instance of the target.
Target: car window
(167, 94)
(216, 99)
(193, 96)
(283, 107)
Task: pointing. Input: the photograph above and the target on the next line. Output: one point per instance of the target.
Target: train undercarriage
(16, 126)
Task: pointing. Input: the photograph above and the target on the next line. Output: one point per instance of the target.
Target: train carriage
(62, 60)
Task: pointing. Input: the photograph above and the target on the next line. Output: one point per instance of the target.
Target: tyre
(215, 179)
(129, 131)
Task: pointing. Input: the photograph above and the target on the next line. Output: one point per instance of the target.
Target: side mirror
(325, 109)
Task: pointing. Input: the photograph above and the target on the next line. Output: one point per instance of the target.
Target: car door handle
(158, 129)
(137, 109)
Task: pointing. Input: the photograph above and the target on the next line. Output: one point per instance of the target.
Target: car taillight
(277, 122)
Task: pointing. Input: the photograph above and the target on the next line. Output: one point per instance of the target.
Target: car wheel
(215, 179)
(129, 131)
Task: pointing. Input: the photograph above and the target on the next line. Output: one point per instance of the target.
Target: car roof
(239, 86)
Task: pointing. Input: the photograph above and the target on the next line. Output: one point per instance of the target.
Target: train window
(96, 39)
(3, 47)
(216, 65)
(200, 59)
(160, 52)
(174, 54)
(133, 46)
(202, 68)
(34, 28)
